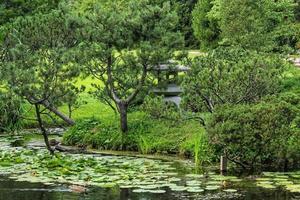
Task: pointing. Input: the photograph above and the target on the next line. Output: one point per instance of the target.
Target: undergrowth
(146, 135)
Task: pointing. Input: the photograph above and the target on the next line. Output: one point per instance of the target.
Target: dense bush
(264, 134)
(157, 108)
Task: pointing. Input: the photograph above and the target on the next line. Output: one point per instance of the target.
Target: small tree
(231, 76)
(122, 41)
(34, 63)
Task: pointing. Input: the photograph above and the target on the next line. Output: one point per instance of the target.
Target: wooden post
(223, 164)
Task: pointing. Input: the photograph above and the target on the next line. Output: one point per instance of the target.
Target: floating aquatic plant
(212, 187)
(195, 190)
(272, 180)
(140, 175)
(230, 190)
(178, 188)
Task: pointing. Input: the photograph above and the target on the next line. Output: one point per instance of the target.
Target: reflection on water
(13, 190)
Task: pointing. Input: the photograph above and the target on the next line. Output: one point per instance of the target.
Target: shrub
(157, 108)
(256, 135)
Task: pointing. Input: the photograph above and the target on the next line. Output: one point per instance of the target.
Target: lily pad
(212, 187)
(230, 190)
(126, 186)
(157, 191)
(266, 185)
(195, 190)
(149, 187)
(194, 176)
(139, 191)
(178, 188)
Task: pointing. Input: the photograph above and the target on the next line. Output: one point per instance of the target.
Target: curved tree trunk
(58, 113)
(42, 128)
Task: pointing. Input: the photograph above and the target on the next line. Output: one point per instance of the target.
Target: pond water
(13, 190)
(31, 174)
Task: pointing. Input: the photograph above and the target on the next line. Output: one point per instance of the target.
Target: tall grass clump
(11, 112)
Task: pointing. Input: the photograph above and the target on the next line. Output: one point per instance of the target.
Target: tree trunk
(43, 130)
(223, 164)
(58, 113)
(123, 116)
(70, 110)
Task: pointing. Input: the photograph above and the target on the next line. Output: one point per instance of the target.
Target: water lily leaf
(283, 183)
(266, 185)
(194, 176)
(263, 179)
(195, 190)
(193, 183)
(213, 183)
(174, 179)
(126, 186)
(178, 188)
(106, 185)
(157, 191)
(149, 187)
(212, 187)
(230, 190)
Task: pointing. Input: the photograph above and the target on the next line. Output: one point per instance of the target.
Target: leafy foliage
(157, 108)
(206, 29)
(260, 25)
(184, 9)
(11, 112)
(297, 10)
(35, 62)
(11, 9)
(259, 134)
(34, 58)
(232, 76)
(121, 42)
